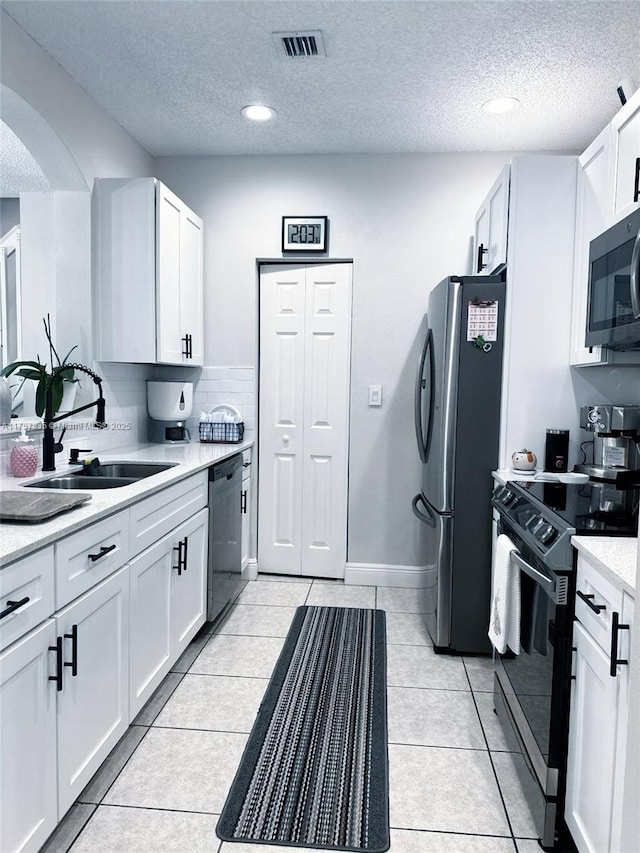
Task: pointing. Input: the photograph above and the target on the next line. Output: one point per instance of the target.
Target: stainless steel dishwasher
(225, 535)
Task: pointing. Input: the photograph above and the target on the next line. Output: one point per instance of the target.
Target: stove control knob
(507, 497)
(547, 534)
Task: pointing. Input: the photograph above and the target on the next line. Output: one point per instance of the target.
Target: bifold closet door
(305, 336)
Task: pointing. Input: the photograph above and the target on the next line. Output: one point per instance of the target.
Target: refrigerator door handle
(428, 518)
(424, 441)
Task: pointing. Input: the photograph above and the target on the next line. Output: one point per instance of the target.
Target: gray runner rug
(314, 772)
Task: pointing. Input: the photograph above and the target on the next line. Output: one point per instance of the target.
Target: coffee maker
(169, 404)
(616, 448)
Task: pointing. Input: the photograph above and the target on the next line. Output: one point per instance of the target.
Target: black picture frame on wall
(304, 234)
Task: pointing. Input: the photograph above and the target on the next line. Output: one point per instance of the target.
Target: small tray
(36, 506)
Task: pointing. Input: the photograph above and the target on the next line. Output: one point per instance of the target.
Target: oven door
(613, 318)
(536, 682)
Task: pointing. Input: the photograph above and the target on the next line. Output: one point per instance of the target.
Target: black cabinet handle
(636, 185)
(481, 251)
(187, 352)
(184, 554)
(104, 550)
(58, 676)
(73, 636)
(243, 502)
(616, 626)
(178, 548)
(13, 605)
(586, 597)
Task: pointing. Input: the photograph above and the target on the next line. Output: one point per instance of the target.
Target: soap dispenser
(24, 456)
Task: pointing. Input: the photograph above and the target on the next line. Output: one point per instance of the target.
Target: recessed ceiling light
(500, 105)
(258, 112)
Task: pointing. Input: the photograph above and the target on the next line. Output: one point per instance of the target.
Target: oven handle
(547, 584)
(635, 278)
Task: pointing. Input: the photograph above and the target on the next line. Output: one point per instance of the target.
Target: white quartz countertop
(18, 539)
(615, 556)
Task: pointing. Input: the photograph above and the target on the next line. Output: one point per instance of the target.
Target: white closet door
(326, 420)
(305, 322)
(282, 308)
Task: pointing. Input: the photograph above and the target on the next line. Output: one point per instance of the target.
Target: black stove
(547, 515)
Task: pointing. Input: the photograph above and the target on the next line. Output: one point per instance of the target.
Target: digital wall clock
(304, 233)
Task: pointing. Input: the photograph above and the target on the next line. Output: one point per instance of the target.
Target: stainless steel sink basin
(83, 483)
(136, 470)
(113, 476)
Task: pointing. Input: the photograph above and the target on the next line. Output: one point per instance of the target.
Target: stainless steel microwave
(613, 307)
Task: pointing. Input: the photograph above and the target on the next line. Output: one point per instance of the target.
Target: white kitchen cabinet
(598, 716)
(28, 795)
(148, 274)
(625, 129)
(168, 588)
(93, 705)
(490, 238)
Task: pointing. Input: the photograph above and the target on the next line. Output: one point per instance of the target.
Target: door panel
(305, 322)
(326, 419)
(168, 207)
(191, 284)
(93, 707)
(282, 323)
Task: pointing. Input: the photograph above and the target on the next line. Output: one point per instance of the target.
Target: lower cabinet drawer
(89, 556)
(596, 599)
(154, 517)
(26, 595)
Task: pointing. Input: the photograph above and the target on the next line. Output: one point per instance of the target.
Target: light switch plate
(375, 395)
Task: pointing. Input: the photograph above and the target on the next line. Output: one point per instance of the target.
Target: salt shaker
(23, 461)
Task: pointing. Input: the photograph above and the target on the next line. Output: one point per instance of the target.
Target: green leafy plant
(44, 376)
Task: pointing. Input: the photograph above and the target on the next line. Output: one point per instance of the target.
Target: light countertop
(18, 539)
(615, 556)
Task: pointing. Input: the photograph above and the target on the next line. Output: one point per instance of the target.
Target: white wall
(407, 221)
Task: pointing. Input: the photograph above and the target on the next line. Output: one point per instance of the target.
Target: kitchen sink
(134, 470)
(113, 475)
(81, 482)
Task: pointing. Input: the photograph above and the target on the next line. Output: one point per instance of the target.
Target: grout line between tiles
(155, 809)
(228, 675)
(438, 746)
(199, 729)
(80, 829)
(124, 765)
(448, 832)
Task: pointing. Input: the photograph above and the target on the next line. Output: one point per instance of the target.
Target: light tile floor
(162, 788)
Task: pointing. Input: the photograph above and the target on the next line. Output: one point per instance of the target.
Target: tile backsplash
(125, 392)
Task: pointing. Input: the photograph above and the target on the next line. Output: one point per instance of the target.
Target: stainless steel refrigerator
(457, 418)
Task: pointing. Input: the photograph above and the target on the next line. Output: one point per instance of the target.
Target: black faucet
(48, 442)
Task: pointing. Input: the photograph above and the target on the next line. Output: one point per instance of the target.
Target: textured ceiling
(19, 172)
(399, 76)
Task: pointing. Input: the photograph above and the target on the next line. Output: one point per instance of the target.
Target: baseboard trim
(380, 574)
(250, 571)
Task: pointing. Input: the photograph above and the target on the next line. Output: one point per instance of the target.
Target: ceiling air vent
(304, 44)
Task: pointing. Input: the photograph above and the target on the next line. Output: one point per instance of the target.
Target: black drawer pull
(104, 550)
(481, 251)
(615, 627)
(73, 636)
(636, 186)
(181, 556)
(58, 676)
(586, 597)
(13, 605)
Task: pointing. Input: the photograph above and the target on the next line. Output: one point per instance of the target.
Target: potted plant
(43, 376)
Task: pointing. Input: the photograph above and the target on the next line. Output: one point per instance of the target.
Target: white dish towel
(504, 622)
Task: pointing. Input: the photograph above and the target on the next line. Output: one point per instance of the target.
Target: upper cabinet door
(191, 296)
(626, 158)
(498, 200)
(492, 219)
(169, 346)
